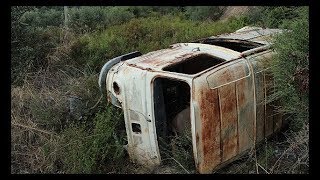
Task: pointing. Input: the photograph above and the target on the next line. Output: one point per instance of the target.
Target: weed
(145, 35)
(86, 150)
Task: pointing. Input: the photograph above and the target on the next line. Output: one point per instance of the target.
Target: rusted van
(222, 80)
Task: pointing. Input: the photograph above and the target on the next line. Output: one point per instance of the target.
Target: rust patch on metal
(229, 115)
(225, 77)
(136, 66)
(246, 114)
(210, 124)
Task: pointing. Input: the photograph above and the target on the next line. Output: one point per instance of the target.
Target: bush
(291, 71)
(86, 150)
(43, 17)
(276, 17)
(197, 13)
(30, 50)
(145, 35)
(87, 19)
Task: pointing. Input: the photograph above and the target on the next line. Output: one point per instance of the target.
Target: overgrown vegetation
(60, 123)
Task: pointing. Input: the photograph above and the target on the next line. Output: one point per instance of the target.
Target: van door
(224, 114)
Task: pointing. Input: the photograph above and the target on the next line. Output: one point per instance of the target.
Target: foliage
(276, 16)
(86, 150)
(43, 17)
(291, 71)
(145, 35)
(87, 19)
(204, 12)
(30, 50)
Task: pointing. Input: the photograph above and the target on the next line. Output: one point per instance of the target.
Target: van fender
(108, 65)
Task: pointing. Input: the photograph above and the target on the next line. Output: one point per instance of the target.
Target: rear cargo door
(224, 114)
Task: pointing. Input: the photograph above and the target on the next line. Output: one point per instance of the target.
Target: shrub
(43, 130)
(275, 17)
(84, 19)
(43, 17)
(145, 35)
(29, 52)
(197, 13)
(291, 71)
(87, 150)
(49, 110)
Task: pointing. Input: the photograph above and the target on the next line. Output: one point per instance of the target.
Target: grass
(76, 147)
(177, 154)
(46, 138)
(145, 35)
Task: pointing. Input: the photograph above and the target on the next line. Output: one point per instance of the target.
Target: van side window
(236, 45)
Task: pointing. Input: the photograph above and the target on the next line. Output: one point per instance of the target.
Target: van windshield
(194, 64)
(233, 44)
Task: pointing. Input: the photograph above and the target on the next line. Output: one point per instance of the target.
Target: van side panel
(225, 126)
(207, 127)
(246, 113)
(229, 129)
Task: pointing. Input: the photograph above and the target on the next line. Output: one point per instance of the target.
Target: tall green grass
(89, 149)
(145, 35)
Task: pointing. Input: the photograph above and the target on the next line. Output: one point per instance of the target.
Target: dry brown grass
(28, 139)
(286, 153)
(40, 110)
(295, 158)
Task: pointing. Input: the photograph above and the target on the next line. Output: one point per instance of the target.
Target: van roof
(157, 60)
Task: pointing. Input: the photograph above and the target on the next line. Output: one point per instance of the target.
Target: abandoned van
(213, 90)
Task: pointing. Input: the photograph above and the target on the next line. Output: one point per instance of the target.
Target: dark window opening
(136, 128)
(236, 45)
(172, 102)
(194, 64)
(116, 88)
